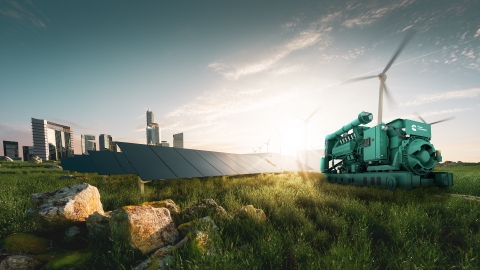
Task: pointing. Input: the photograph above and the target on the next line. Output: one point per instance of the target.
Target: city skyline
(230, 75)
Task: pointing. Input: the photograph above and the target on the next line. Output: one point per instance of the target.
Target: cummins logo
(420, 128)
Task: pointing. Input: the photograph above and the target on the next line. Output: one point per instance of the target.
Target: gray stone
(143, 227)
(65, 207)
(19, 262)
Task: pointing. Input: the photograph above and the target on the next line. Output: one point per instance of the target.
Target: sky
(238, 76)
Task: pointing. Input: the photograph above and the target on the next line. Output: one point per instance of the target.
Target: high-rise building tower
(153, 134)
(178, 140)
(106, 143)
(150, 118)
(10, 149)
(27, 152)
(88, 143)
(51, 141)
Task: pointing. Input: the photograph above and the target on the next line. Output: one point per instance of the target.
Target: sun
(293, 137)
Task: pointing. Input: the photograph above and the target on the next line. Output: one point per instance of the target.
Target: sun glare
(293, 136)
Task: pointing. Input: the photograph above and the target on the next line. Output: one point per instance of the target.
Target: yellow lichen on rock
(169, 204)
(249, 212)
(21, 243)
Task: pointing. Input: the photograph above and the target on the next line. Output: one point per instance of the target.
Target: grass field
(311, 224)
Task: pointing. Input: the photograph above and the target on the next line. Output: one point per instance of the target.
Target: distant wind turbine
(267, 143)
(306, 124)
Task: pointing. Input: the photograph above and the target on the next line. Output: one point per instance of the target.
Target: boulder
(65, 207)
(35, 160)
(19, 262)
(143, 227)
(203, 233)
(6, 158)
(207, 207)
(169, 204)
(249, 212)
(26, 243)
(98, 225)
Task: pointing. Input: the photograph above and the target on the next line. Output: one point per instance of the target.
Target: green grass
(311, 224)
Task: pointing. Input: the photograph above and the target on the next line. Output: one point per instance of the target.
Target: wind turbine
(254, 151)
(267, 143)
(436, 122)
(383, 76)
(306, 124)
(260, 148)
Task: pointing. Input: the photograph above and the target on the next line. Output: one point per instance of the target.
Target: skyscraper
(27, 152)
(178, 140)
(51, 141)
(10, 149)
(152, 130)
(88, 143)
(153, 134)
(150, 117)
(106, 143)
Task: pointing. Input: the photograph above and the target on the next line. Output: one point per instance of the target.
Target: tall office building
(51, 141)
(153, 134)
(10, 149)
(88, 143)
(106, 143)
(150, 118)
(27, 152)
(178, 140)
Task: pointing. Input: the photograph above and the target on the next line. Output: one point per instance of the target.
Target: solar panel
(243, 163)
(123, 161)
(216, 163)
(85, 164)
(178, 164)
(230, 163)
(257, 163)
(205, 168)
(147, 164)
(105, 162)
(69, 164)
(266, 163)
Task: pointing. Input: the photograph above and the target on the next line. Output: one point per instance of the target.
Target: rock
(205, 223)
(68, 260)
(161, 263)
(65, 207)
(249, 212)
(169, 204)
(35, 160)
(19, 262)
(98, 225)
(143, 227)
(71, 234)
(207, 207)
(203, 233)
(6, 158)
(21, 243)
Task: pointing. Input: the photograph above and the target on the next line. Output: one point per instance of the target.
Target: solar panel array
(158, 163)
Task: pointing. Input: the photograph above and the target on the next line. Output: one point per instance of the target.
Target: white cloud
(287, 69)
(469, 93)
(317, 33)
(477, 34)
(303, 40)
(23, 16)
(373, 15)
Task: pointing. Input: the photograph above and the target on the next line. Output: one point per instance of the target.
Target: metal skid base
(392, 180)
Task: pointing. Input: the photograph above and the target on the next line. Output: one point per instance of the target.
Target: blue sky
(230, 74)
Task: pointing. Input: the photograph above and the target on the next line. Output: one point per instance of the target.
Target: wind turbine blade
(391, 102)
(405, 40)
(446, 119)
(299, 117)
(313, 113)
(278, 132)
(360, 79)
(418, 115)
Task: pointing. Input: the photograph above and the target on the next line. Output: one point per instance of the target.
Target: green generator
(396, 154)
